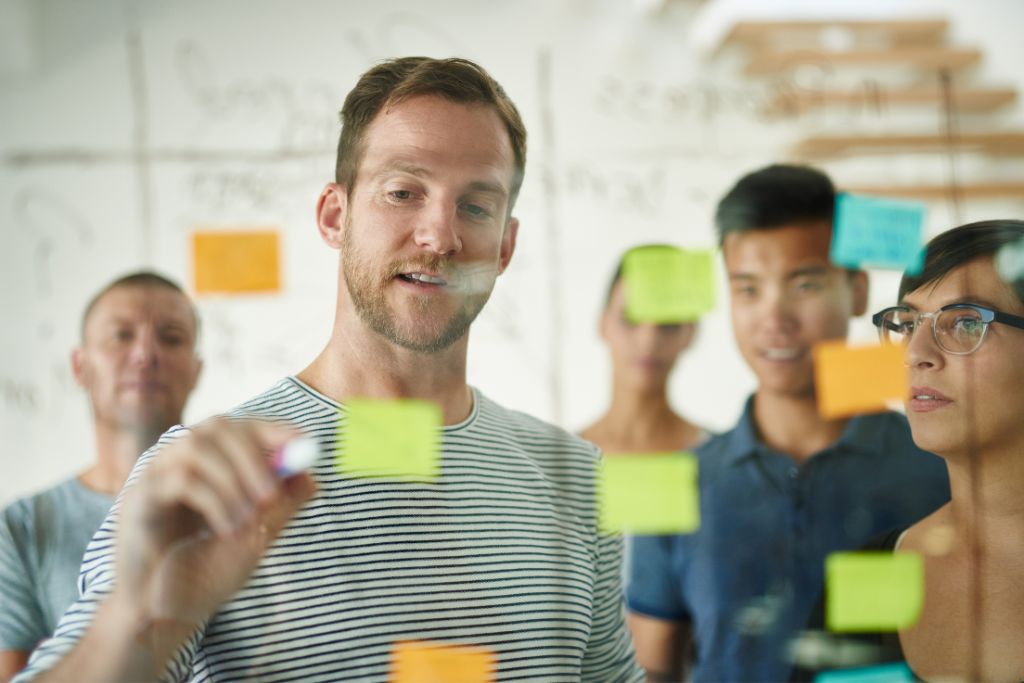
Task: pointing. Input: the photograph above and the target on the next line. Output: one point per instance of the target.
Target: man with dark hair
(785, 487)
(228, 571)
(137, 362)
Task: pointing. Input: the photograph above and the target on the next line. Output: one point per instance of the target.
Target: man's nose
(777, 310)
(144, 348)
(437, 228)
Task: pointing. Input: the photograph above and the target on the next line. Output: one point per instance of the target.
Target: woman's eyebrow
(965, 299)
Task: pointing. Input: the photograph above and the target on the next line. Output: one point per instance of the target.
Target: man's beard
(367, 291)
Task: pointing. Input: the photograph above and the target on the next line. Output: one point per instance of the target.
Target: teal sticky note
(873, 591)
(879, 233)
(1010, 262)
(649, 493)
(884, 673)
(391, 439)
(666, 285)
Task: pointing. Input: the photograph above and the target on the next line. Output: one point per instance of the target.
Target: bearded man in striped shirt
(212, 568)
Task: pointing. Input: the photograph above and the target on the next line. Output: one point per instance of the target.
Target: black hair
(773, 197)
(954, 248)
(141, 278)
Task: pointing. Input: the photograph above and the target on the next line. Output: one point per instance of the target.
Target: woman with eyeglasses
(962, 324)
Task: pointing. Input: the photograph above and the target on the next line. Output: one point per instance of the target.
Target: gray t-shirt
(42, 540)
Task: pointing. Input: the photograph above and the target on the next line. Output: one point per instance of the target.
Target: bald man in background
(137, 363)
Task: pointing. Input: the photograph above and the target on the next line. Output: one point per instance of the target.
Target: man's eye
(476, 210)
(400, 195)
(123, 335)
(808, 286)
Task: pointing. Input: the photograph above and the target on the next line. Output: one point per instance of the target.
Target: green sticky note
(652, 493)
(394, 439)
(666, 285)
(884, 673)
(884, 233)
(873, 591)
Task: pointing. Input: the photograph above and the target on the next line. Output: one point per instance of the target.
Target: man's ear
(508, 243)
(197, 370)
(859, 283)
(602, 324)
(330, 214)
(78, 366)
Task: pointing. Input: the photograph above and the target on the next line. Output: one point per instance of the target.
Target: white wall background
(125, 125)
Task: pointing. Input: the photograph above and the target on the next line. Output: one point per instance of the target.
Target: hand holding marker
(296, 456)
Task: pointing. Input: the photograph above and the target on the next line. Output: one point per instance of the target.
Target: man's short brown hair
(390, 82)
(142, 278)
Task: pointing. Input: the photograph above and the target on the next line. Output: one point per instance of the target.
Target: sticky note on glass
(850, 380)
(650, 493)
(422, 662)
(666, 285)
(883, 673)
(236, 262)
(1010, 261)
(873, 591)
(393, 439)
(875, 232)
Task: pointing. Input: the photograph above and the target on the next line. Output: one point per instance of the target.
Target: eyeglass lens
(957, 330)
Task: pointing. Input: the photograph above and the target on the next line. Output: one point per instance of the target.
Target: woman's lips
(926, 399)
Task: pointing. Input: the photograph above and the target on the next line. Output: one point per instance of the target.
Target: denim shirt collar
(863, 433)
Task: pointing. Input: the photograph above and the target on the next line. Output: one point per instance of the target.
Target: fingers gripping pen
(296, 456)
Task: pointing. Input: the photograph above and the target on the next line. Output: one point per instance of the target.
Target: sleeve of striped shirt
(610, 657)
(95, 582)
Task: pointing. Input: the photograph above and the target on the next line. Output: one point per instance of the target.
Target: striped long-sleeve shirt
(501, 552)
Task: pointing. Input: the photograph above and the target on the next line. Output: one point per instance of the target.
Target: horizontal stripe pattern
(500, 552)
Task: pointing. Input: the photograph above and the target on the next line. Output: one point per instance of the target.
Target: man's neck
(791, 424)
(358, 362)
(117, 449)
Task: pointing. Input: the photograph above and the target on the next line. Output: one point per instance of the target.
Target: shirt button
(793, 472)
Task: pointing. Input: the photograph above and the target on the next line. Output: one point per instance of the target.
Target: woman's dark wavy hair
(955, 247)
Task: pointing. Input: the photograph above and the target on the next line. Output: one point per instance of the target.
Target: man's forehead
(141, 302)
(427, 129)
(783, 248)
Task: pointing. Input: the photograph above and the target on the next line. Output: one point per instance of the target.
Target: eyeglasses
(958, 329)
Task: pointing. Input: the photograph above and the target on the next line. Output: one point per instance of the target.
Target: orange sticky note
(851, 380)
(423, 662)
(236, 262)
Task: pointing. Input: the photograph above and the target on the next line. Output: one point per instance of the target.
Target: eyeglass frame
(988, 316)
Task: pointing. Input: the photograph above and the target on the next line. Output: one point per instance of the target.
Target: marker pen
(296, 456)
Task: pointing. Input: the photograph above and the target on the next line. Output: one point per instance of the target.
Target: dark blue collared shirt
(747, 580)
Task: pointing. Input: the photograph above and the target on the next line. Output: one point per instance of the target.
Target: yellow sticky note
(650, 493)
(398, 439)
(665, 285)
(873, 591)
(851, 380)
(421, 662)
(235, 262)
